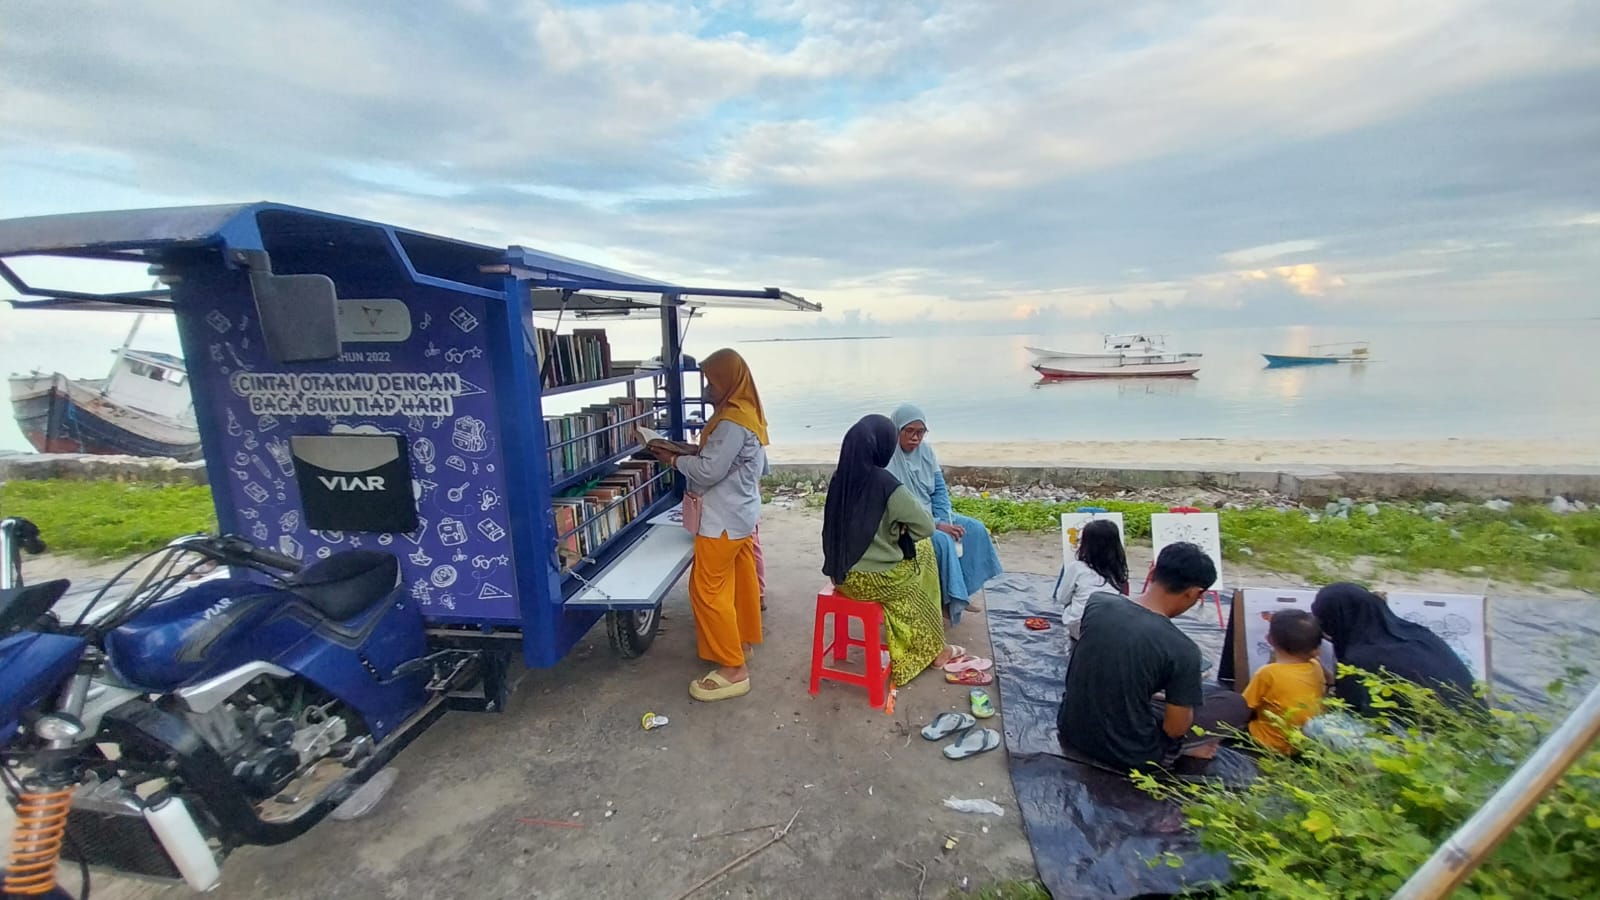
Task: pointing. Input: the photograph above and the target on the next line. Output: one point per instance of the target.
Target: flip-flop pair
(724, 690)
(970, 678)
(970, 740)
(963, 662)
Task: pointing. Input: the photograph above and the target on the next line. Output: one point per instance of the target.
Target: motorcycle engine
(265, 747)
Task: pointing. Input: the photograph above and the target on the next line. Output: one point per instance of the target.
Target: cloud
(1250, 255)
(936, 160)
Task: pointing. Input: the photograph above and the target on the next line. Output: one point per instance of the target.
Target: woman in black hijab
(876, 548)
(1368, 635)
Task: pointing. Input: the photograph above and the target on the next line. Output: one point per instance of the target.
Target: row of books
(581, 526)
(584, 355)
(594, 433)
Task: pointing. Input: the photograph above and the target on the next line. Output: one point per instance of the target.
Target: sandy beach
(1432, 454)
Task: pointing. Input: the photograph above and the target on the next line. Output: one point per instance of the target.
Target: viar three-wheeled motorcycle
(155, 730)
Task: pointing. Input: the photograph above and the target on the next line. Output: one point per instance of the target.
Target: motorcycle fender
(32, 669)
(354, 661)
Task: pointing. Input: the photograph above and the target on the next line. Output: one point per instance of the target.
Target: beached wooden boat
(1321, 355)
(143, 408)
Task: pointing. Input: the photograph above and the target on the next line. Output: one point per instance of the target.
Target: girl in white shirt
(1101, 566)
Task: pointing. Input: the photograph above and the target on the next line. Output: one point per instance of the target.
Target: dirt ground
(470, 814)
(464, 818)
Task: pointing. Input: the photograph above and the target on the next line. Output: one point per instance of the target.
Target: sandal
(973, 742)
(724, 690)
(964, 662)
(946, 724)
(969, 677)
(981, 705)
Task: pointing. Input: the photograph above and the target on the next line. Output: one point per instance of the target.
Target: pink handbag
(692, 506)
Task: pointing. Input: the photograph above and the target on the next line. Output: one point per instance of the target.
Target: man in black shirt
(1133, 689)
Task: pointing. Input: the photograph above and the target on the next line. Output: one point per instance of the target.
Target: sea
(1497, 380)
(1500, 380)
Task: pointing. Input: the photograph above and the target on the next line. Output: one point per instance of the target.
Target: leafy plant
(109, 518)
(1356, 820)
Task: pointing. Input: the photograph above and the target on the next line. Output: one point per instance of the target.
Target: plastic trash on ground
(983, 807)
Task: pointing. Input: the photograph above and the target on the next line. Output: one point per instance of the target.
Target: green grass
(1527, 543)
(1010, 890)
(107, 518)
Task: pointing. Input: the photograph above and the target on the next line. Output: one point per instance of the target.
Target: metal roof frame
(151, 235)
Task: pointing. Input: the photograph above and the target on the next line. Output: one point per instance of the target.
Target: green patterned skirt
(909, 595)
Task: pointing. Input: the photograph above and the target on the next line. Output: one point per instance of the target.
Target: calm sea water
(1467, 380)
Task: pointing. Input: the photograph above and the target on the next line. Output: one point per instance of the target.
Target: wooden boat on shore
(1171, 365)
(142, 408)
(1322, 355)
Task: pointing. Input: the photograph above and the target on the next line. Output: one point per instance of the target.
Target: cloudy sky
(916, 164)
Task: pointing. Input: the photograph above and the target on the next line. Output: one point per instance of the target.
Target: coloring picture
(1254, 613)
(1459, 619)
(1200, 529)
(673, 516)
(1072, 526)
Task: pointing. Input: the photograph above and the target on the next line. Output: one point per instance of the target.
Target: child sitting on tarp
(1287, 692)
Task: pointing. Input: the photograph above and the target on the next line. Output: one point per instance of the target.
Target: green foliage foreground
(1526, 543)
(1356, 821)
(109, 518)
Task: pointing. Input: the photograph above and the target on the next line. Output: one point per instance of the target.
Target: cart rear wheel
(632, 631)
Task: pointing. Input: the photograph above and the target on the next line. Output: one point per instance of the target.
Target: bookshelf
(600, 487)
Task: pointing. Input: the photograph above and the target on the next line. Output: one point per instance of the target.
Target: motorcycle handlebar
(243, 549)
(272, 559)
(26, 534)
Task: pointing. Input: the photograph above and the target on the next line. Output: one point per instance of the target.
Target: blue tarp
(1093, 834)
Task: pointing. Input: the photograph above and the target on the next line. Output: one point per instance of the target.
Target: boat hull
(58, 415)
(1065, 369)
(1280, 361)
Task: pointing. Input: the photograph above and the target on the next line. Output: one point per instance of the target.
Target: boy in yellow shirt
(1287, 692)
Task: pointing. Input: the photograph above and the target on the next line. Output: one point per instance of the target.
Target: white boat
(1115, 346)
(1170, 365)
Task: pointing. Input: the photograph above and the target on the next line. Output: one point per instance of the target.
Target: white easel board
(1252, 615)
(1200, 529)
(1072, 525)
(1460, 620)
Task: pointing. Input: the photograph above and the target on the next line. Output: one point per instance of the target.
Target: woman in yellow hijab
(724, 587)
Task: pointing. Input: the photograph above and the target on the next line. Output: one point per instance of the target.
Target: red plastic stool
(844, 610)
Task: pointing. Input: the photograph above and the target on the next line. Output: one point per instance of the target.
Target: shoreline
(1424, 455)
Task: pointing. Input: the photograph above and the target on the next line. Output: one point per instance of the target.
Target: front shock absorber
(36, 842)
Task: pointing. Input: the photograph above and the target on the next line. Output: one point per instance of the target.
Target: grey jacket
(727, 476)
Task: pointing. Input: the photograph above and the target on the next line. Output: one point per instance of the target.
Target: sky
(917, 166)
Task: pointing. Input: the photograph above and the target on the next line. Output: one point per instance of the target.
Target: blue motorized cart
(373, 410)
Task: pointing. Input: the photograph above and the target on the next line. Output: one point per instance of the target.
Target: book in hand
(656, 440)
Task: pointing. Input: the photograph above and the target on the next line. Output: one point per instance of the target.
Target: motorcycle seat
(347, 584)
